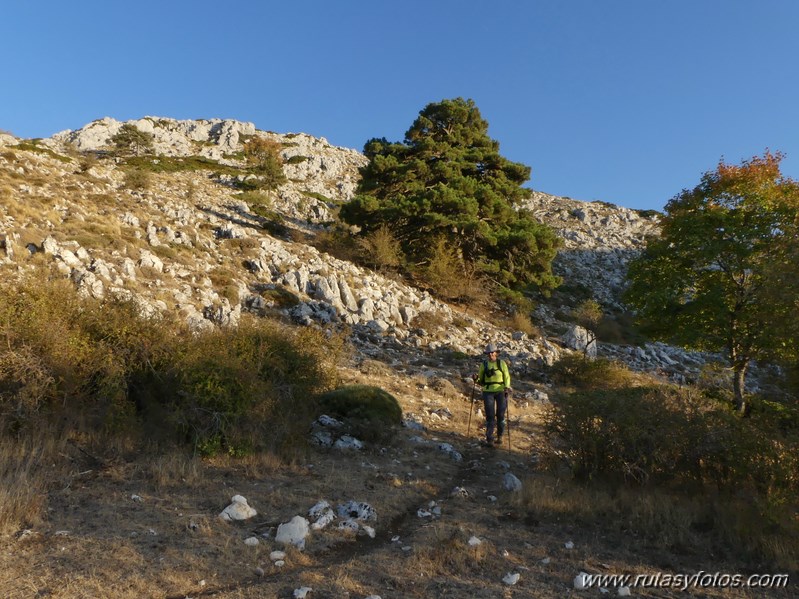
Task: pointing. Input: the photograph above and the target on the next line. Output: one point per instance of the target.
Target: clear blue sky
(626, 101)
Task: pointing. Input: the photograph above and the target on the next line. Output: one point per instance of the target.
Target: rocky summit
(190, 243)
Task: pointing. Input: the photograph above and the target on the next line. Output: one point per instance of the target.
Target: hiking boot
(498, 440)
(487, 443)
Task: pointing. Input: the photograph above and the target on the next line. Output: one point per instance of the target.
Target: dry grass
(174, 468)
(452, 555)
(673, 522)
(29, 208)
(521, 321)
(28, 468)
(94, 234)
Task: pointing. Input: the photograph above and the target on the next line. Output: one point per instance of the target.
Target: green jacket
(494, 376)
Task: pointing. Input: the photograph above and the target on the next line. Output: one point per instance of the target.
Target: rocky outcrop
(190, 243)
(320, 175)
(599, 240)
(214, 138)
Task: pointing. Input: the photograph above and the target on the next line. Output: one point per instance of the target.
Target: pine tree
(447, 180)
(132, 140)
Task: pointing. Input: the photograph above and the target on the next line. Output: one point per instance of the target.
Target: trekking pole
(507, 416)
(471, 408)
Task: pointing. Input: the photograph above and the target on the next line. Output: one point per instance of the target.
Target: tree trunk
(739, 387)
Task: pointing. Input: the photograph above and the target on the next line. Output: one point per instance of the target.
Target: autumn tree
(722, 276)
(447, 183)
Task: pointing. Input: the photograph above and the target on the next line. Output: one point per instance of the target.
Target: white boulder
(293, 532)
(239, 509)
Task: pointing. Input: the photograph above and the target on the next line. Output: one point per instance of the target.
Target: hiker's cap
(491, 348)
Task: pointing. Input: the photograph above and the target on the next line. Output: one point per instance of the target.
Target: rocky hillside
(599, 240)
(190, 242)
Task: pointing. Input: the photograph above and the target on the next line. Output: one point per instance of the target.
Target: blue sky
(625, 101)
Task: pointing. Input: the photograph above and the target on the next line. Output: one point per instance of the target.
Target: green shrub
(338, 243)
(32, 145)
(246, 389)
(618, 432)
(68, 358)
(782, 415)
(516, 300)
(87, 161)
(372, 412)
(674, 436)
(281, 297)
(103, 368)
(619, 328)
(26, 382)
(451, 277)
(256, 198)
(174, 164)
(272, 222)
(318, 196)
(362, 401)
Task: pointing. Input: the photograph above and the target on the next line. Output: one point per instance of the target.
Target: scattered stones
(450, 451)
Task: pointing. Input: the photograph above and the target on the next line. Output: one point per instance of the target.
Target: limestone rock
(293, 532)
(238, 509)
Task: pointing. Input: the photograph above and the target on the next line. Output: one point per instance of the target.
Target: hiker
(495, 380)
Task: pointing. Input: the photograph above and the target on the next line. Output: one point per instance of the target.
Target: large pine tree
(447, 180)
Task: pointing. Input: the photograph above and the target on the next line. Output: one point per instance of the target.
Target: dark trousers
(496, 406)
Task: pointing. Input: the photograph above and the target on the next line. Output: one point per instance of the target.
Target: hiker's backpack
(492, 371)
